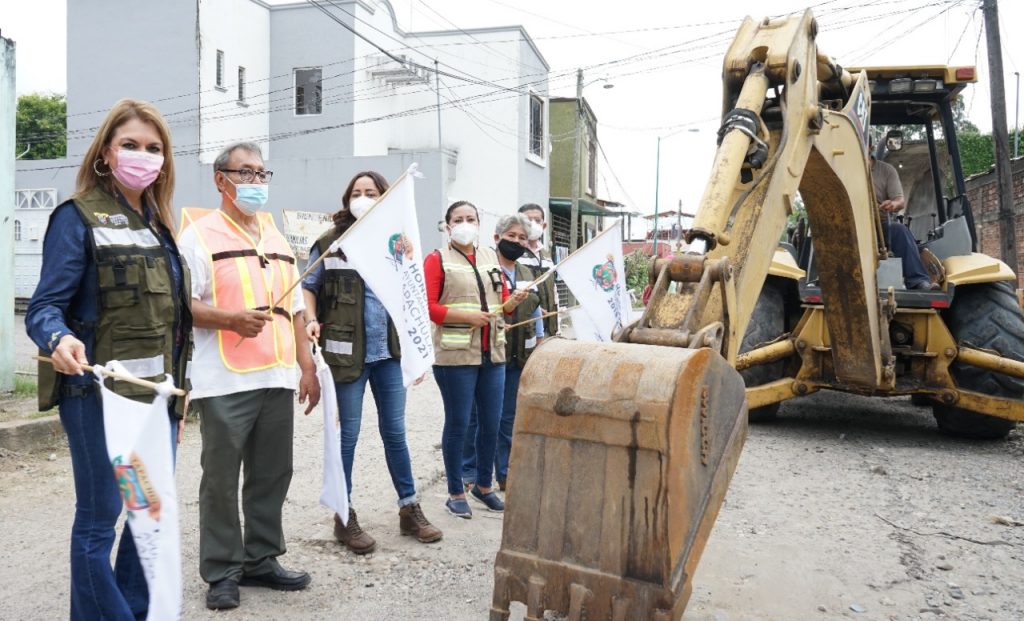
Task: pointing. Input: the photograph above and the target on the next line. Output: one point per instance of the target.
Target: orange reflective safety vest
(246, 274)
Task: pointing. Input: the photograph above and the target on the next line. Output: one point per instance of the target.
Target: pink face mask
(137, 170)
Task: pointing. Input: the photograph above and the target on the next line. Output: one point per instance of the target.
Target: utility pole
(574, 209)
(679, 226)
(1016, 117)
(1000, 137)
(657, 187)
(437, 88)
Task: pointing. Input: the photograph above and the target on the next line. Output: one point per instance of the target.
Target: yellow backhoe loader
(623, 452)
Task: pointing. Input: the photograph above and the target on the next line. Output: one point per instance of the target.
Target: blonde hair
(161, 190)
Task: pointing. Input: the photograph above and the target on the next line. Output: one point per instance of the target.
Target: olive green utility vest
(138, 306)
(548, 295)
(516, 339)
(461, 344)
(339, 307)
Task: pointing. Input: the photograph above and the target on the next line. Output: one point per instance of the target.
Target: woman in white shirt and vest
(468, 298)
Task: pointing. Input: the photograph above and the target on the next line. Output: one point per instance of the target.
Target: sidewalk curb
(24, 436)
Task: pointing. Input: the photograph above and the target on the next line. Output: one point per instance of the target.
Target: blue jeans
(504, 445)
(385, 377)
(96, 591)
(901, 242)
(460, 387)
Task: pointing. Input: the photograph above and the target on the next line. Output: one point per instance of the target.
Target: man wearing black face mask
(510, 237)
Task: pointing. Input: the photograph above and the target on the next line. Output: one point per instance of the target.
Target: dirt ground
(845, 504)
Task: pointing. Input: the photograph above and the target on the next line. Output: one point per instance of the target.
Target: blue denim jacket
(375, 316)
(68, 287)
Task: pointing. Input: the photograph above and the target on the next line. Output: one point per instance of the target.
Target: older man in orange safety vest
(244, 387)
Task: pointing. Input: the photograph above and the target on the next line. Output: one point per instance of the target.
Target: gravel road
(845, 504)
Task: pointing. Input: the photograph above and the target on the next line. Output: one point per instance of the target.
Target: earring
(95, 168)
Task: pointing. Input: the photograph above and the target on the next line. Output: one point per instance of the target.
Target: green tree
(638, 267)
(960, 120)
(977, 153)
(41, 126)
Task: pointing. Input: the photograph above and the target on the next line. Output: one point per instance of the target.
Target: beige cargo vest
(460, 344)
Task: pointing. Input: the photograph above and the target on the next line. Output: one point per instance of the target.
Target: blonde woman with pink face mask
(112, 286)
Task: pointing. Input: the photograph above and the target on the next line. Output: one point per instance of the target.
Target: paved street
(845, 502)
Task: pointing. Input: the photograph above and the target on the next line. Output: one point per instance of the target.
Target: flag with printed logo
(334, 491)
(384, 247)
(139, 445)
(597, 278)
(582, 327)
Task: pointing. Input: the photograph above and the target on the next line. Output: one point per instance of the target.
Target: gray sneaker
(459, 508)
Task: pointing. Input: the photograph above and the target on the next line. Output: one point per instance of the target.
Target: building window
(308, 90)
(241, 84)
(17, 230)
(536, 126)
(220, 68)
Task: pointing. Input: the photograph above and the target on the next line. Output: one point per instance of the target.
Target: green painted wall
(562, 127)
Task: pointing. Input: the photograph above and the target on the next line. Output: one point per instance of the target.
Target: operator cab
(914, 116)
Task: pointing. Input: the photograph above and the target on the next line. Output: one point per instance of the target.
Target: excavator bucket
(621, 457)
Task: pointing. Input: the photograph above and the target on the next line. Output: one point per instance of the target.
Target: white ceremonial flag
(582, 327)
(334, 492)
(384, 247)
(597, 277)
(139, 445)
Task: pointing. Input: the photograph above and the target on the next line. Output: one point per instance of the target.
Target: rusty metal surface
(644, 451)
(768, 353)
(1011, 409)
(774, 392)
(991, 361)
(681, 268)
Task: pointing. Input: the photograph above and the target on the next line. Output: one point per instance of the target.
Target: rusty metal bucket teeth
(621, 457)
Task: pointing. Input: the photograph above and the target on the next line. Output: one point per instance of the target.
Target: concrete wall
(8, 107)
(533, 171)
(983, 194)
(484, 112)
(241, 29)
(302, 36)
(161, 68)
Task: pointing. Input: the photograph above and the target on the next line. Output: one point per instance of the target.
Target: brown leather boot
(353, 536)
(411, 521)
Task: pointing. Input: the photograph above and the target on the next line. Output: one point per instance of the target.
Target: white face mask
(360, 205)
(465, 233)
(536, 231)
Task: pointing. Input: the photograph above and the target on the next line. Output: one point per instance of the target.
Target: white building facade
(323, 102)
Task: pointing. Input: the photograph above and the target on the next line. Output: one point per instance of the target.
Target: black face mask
(510, 249)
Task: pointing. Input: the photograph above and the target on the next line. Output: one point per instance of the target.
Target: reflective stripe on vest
(250, 275)
(456, 344)
(138, 305)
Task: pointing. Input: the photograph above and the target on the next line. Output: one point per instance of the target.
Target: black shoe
(279, 579)
(223, 595)
(925, 285)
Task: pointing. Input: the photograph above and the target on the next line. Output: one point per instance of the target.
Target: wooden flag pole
(531, 320)
(312, 266)
(131, 379)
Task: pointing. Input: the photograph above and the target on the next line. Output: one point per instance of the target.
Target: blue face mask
(251, 197)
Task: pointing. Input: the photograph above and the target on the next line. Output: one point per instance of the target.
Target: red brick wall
(983, 194)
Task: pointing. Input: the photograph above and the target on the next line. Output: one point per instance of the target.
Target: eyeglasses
(248, 174)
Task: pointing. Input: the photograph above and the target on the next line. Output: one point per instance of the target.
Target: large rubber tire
(985, 316)
(767, 323)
